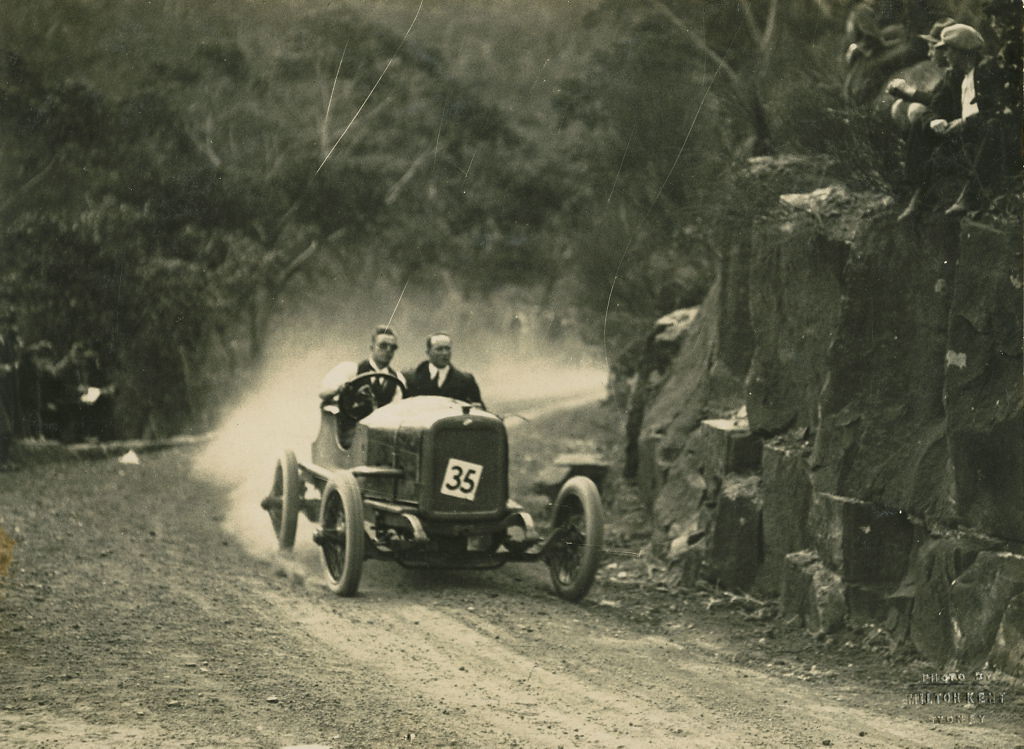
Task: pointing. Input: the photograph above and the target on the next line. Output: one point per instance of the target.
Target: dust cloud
(525, 360)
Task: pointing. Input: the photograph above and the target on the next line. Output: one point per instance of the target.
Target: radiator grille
(467, 469)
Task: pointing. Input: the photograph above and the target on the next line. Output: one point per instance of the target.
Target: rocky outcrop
(1008, 652)
(843, 419)
(983, 386)
(937, 563)
(979, 603)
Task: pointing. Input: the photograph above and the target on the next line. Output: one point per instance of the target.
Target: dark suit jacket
(383, 391)
(459, 385)
(944, 99)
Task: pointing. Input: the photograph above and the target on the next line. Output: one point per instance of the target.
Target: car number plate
(461, 479)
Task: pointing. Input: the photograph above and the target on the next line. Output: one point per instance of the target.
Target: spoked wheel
(283, 503)
(341, 535)
(577, 538)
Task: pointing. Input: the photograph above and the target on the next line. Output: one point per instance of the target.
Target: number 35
(461, 481)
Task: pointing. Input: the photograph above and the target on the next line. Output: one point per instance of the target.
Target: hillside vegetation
(178, 175)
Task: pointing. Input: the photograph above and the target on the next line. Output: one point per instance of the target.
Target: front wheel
(283, 502)
(577, 538)
(341, 534)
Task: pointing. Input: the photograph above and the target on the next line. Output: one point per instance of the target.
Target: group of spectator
(42, 397)
(967, 126)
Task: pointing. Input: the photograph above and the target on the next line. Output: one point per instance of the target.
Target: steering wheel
(356, 399)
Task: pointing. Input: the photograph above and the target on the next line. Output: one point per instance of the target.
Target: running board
(324, 474)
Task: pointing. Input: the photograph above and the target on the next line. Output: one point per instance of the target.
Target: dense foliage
(173, 172)
(171, 169)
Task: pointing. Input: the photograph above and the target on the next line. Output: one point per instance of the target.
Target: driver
(383, 344)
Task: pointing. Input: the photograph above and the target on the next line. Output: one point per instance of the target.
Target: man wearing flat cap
(918, 108)
(963, 46)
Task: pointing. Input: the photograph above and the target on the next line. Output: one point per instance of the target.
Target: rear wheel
(341, 534)
(284, 499)
(578, 536)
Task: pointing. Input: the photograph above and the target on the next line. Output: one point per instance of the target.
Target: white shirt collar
(374, 367)
(968, 96)
(441, 374)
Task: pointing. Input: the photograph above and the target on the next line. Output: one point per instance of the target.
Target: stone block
(727, 446)
(1008, 651)
(859, 540)
(813, 593)
(734, 548)
(785, 492)
(935, 564)
(979, 599)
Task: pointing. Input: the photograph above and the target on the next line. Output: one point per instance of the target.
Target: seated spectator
(914, 104)
(878, 44)
(969, 126)
(974, 140)
(917, 108)
(85, 408)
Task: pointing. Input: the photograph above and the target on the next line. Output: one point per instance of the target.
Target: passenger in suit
(437, 376)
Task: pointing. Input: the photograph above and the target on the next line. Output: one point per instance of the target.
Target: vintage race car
(423, 481)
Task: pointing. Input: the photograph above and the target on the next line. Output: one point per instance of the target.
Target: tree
(171, 194)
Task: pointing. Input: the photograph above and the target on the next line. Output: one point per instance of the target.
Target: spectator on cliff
(918, 108)
(870, 31)
(10, 361)
(916, 104)
(971, 133)
(878, 44)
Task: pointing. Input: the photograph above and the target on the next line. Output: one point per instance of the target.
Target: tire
(579, 525)
(341, 516)
(286, 496)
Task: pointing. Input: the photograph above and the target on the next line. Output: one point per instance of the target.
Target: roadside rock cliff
(841, 422)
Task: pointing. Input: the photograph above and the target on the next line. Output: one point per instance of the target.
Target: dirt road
(133, 616)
